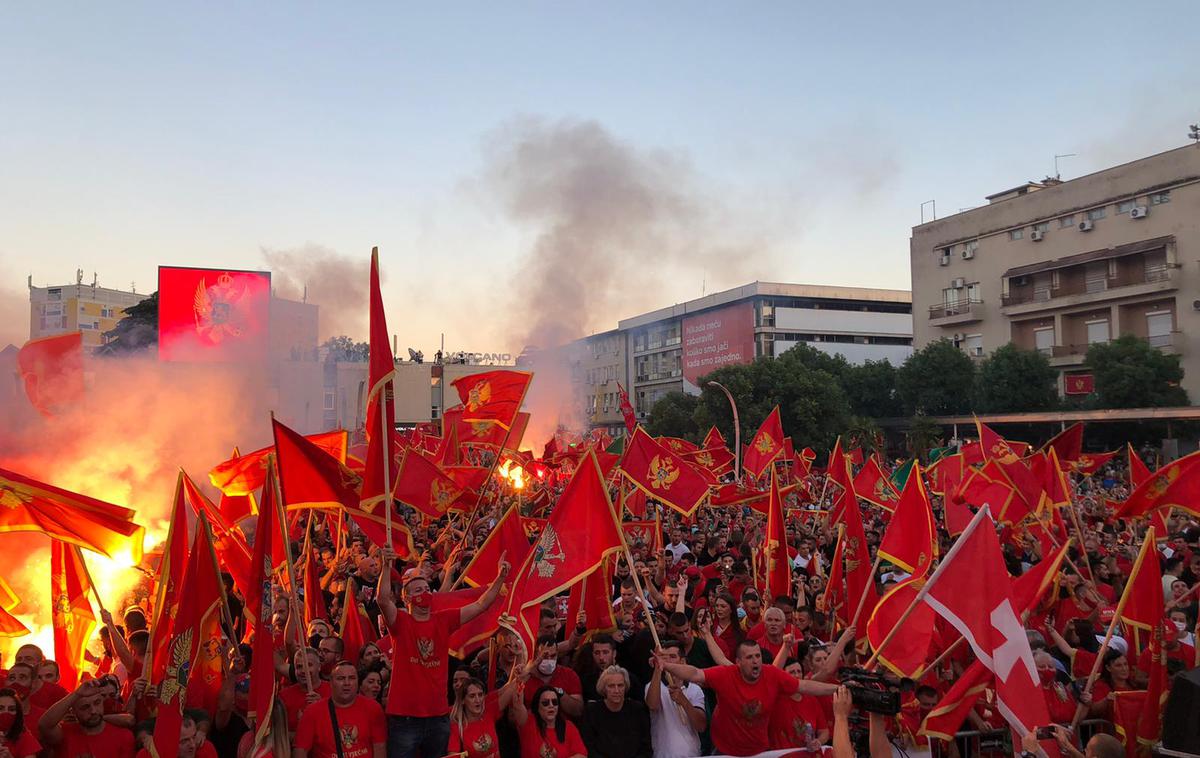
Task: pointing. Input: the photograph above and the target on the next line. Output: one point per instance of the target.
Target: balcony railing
(1040, 293)
(959, 308)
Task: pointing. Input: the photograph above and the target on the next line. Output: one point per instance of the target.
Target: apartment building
(1057, 266)
(87, 308)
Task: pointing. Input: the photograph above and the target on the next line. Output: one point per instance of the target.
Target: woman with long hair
(15, 739)
(278, 739)
(370, 685)
(1115, 675)
(473, 718)
(725, 628)
(546, 732)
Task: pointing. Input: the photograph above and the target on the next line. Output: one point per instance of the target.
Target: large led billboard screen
(213, 315)
(716, 338)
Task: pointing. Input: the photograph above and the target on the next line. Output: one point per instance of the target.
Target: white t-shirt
(678, 551)
(669, 735)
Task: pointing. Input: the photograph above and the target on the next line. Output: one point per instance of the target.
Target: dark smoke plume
(335, 282)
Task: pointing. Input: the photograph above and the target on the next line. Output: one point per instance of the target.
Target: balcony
(959, 312)
(1171, 343)
(1090, 290)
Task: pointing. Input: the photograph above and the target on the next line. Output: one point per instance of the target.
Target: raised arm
(384, 597)
(472, 610)
(683, 671)
(829, 668)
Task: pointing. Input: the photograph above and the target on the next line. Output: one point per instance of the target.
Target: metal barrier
(996, 742)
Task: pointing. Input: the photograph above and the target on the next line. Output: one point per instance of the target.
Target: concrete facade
(1057, 266)
(86, 308)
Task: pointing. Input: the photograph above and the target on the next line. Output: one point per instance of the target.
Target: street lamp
(737, 433)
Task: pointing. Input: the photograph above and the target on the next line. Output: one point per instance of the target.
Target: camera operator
(843, 746)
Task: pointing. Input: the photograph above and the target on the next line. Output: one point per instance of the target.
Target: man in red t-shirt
(746, 694)
(418, 711)
(89, 734)
(308, 688)
(361, 726)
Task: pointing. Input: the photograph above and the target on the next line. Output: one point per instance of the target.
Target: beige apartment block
(1059, 265)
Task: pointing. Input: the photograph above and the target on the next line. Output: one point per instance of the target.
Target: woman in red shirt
(725, 628)
(473, 718)
(1114, 677)
(15, 739)
(545, 733)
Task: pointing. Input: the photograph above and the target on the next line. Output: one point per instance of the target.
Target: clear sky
(140, 133)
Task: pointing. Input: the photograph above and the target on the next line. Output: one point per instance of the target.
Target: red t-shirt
(1060, 705)
(1185, 654)
(295, 700)
(420, 664)
(206, 750)
(794, 722)
(111, 742)
(47, 695)
(739, 724)
(478, 738)
(564, 678)
(361, 725)
(534, 744)
(26, 745)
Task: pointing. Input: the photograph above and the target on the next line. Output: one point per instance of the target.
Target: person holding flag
(418, 709)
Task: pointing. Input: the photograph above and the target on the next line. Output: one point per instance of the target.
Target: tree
(136, 332)
(923, 435)
(1015, 380)
(343, 348)
(936, 380)
(673, 416)
(871, 389)
(1130, 373)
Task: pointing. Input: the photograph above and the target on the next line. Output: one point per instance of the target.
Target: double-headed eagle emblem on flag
(214, 309)
(176, 679)
(479, 396)
(763, 443)
(544, 557)
(662, 473)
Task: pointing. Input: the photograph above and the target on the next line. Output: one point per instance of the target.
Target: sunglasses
(553, 703)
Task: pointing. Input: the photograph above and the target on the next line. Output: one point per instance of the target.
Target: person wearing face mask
(1059, 702)
(418, 707)
(543, 670)
(89, 733)
(16, 741)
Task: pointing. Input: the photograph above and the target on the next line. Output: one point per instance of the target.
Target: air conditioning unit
(1037, 235)
(967, 254)
(1086, 225)
(956, 283)
(1139, 211)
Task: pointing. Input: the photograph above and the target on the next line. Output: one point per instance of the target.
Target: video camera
(874, 691)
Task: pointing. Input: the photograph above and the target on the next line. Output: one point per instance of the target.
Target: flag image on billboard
(212, 315)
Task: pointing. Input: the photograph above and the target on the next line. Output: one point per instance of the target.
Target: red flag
(766, 445)
(267, 533)
(74, 621)
(714, 438)
(662, 474)
(170, 581)
(246, 474)
(627, 410)
(314, 598)
(1090, 463)
(593, 595)
(583, 529)
(507, 537)
(355, 625)
(971, 590)
(1158, 687)
(910, 541)
(775, 548)
(1068, 443)
(52, 369)
(1177, 484)
(838, 473)
(946, 474)
(997, 448)
(1138, 471)
(193, 667)
(833, 598)
(228, 541)
(859, 579)
(11, 626)
(27, 505)
(493, 395)
(420, 484)
(381, 412)
(716, 460)
(308, 477)
(906, 654)
(873, 485)
(1144, 589)
(677, 445)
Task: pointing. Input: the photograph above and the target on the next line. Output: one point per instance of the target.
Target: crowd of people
(697, 660)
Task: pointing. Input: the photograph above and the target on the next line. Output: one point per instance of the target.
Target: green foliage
(923, 435)
(674, 416)
(1016, 380)
(1130, 373)
(936, 380)
(871, 389)
(863, 433)
(136, 332)
(343, 348)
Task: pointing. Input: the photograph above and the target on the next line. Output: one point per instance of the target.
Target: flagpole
(1147, 543)
(386, 441)
(82, 562)
(737, 433)
(979, 516)
(290, 569)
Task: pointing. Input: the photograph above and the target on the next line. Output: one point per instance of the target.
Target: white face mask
(547, 666)
(1181, 626)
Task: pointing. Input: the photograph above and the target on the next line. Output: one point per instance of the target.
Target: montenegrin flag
(662, 474)
(74, 620)
(766, 445)
(493, 395)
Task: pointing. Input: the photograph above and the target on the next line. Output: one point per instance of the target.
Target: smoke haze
(335, 282)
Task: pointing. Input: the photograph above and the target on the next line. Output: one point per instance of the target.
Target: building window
(1043, 340)
(950, 296)
(1125, 206)
(1158, 328)
(1066, 221)
(974, 345)
(973, 292)
(1042, 227)
(1158, 198)
(330, 400)
(1016, 234)
(1096, 213)
(54, 294)
(1097, 332)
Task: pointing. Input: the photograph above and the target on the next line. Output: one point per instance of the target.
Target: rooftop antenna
(1057, 175)
(79, 276)
(703, 285)
(928, 202)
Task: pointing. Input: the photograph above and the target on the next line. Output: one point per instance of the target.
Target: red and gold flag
(677, 445)
(662, 474)
(507, 538)
(170, 582)
(1158, 688)
(233, 554)
(641, 534)
(1177, 484)
(765, 446)
(838, 473)
(627, 410)
(1138, 470)
(11, 626)
(832, 599)
(906, 654)
(314, 598)
(593, 595)
(1143, 609)
(52, 370)
(716, 460)
(192, 676)
(910, 540)
(582, 530)
(421, 485)
(493, 395)
(873, 485)
(946, 473)
(355, 626)
(268, 532)
(995, 447)
(1090, 463)
(27, 505)
(74, 620)
(308, 477)
(245, 474)
(778, 577)
(382, 456)
(1068, 443)
(714, 438)
(860, 584)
